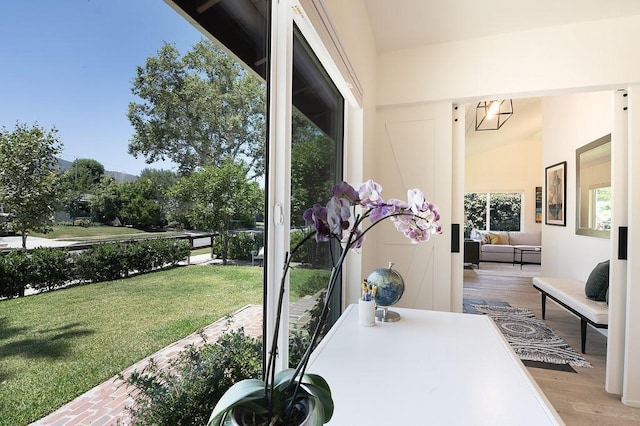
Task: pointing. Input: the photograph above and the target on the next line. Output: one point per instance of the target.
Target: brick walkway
(106, 404)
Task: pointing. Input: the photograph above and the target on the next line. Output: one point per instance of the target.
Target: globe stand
(385, 315)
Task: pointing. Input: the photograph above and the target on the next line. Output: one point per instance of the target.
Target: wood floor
(579, 398)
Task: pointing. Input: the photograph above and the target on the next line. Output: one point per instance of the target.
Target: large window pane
(316, 165)
(492, 211)
(504, 211)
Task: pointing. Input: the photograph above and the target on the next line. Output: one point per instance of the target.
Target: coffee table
(524, 250)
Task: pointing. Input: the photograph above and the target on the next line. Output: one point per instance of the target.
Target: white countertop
(435, 368)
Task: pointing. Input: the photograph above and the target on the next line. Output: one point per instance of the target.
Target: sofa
(509, 246)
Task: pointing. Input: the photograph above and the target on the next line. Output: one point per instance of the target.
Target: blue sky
(70, 63)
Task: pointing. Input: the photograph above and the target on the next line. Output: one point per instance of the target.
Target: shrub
(241, 244)
(101, 262)
(187, 391)
(51, 268)
(15, 273)
(301, 255)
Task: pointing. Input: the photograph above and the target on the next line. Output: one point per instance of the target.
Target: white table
(429, 368)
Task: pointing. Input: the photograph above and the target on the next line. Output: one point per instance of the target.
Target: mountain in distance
(120, 177)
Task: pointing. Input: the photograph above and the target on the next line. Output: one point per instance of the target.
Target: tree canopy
(198, 110)
(82, 178)
(28, 176)
(214, 197)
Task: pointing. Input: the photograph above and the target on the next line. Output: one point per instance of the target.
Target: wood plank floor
(579, 398)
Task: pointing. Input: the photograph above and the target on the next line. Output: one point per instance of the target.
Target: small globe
(389, 283)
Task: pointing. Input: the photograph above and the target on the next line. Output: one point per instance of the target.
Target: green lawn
(57, 345)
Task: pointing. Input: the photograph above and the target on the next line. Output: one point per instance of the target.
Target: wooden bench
(570, 295)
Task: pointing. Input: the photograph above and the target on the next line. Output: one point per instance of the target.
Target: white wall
(570, 122)
(352, 25)
(511, 167)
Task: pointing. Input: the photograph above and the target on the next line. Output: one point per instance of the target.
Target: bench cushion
(571, 293)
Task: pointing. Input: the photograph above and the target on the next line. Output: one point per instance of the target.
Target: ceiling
(409, 23)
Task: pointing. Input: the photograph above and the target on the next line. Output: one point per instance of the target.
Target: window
(317, 130)
(498, 211)
(600, 205)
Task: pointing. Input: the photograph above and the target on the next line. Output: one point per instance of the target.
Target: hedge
(48, 268)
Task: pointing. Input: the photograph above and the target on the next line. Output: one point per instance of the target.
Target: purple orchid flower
(338, 214)
(317, 217)
(345, 191)
(369, 193)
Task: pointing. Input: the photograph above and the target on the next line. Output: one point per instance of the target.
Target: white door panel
(413, 150)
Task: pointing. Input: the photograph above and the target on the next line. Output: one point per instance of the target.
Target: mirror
(593, 192)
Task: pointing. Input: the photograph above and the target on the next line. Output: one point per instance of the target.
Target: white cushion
(525, 238)
(497, 248)
(571, 293)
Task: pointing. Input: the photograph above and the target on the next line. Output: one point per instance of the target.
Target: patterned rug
(530, 338)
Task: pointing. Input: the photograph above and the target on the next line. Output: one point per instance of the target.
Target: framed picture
(538, 204)
(556, 190)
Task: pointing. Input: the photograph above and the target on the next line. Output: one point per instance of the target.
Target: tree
(198, 110)
(84, 174)
(212, 198)
(140, 205)
(81, 179)
(312, 167)
(105, 203)
(28, 177)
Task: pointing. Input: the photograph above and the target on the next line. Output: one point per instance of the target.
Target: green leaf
(248, 391)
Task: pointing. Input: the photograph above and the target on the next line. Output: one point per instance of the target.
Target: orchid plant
(278, 398)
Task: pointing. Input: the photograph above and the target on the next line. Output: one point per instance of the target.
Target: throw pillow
(495, 238)
(484, 237)
(598, 282)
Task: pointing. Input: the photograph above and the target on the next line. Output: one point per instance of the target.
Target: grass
(55, 346)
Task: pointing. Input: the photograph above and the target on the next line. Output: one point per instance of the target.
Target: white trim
(278, 180)
(305, 18)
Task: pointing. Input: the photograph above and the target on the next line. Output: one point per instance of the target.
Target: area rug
(530, 338)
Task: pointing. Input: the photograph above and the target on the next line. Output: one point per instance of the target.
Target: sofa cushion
(525, 238)
(497, 248)
(598, 282)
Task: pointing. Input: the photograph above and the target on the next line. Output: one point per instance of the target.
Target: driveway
(33, 242)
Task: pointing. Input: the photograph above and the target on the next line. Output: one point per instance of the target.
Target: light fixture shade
(491, 115)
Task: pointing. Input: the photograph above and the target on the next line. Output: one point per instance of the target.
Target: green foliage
(83, 175)
(102, 262)
(51, 268)
(307, 282)
(313, 167)
(240, 245)
(60, 344)
(81, 179)
(186, 392)
(174, 118)
(212, 198)
(110, 261)
(15, 273)
(300, 337)
(106, 201)
(505, 211)
(141, 204)
(301, 255)
(28, 177)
